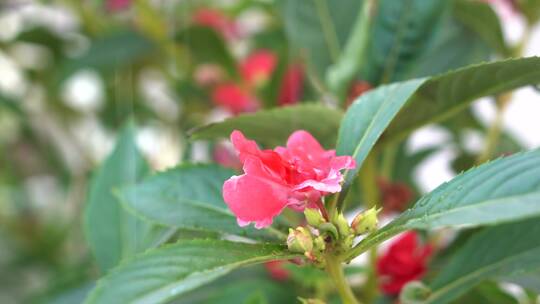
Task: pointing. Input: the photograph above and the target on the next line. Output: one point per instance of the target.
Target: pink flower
(234, 98)
(117, 5)
(404, 261)
(291, 85)
(257, 67)
(294, 176)
(217, 21)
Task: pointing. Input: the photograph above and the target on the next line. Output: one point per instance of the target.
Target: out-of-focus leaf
(318, 29)
(442, 96)
(206, 46)
(111, 232)
(487, 293)
(43, 37)
(162, 274)
(10, 104)
(186, 197)
(109, 53)
(399, 34)
(480, 17)
(497, 251)
(70, 296)
(530, 9)
(452, 46)
(503, 190)
(272, 127)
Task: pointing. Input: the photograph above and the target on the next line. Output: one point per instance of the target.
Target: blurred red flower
(357, 89)
(276, 270)
(292, 85)
(257, 68)
(117, 5)
(218, 21)
(234, 98)
(395, 196)
(405, 260)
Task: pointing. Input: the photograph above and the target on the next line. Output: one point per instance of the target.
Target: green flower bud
(366, 221)
(313, 217)
(319, 244)
(329, 228)
(300, 240)
(342, 225)
(414, 292)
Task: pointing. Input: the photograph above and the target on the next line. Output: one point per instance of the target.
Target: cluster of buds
(320, 233)
(308, 241)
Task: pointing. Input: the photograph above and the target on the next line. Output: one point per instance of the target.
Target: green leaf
(452, 46)
(272, 127)
(240, 286)
(481, 18)
(110, 53)
(487, 293)
(186, 197)
(318, 29)
(404, 106)
(401, 31)
(162, 274)
(503, 250)
(442, 96)
(504, 190)
(111, 232)
(206, 46)
(368, 117)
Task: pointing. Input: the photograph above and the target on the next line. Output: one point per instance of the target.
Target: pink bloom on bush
(294, 176)
(292, 85)
(234, 98)
(217, 21)
(117, 5)
(276, 270)
(257, 67)
(405, 260)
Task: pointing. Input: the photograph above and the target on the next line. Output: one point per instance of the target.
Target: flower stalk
(335, 270)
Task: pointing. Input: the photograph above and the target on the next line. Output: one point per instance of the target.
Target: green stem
(335, 270)
(494, 132)
(329, 31)
(388, 160)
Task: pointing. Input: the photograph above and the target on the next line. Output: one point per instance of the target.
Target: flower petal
(255, 196)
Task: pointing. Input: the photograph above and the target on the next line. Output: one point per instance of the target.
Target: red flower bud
(292, 85)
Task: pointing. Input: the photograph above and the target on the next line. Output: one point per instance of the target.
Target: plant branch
(335, 270)
(494, 132)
